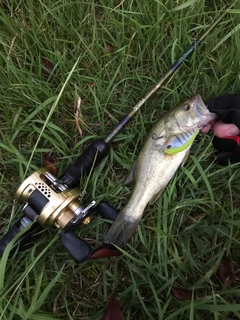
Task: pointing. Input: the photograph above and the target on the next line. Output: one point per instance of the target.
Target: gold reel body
(56, 204)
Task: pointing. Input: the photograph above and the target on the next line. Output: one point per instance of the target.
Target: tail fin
(121, 230)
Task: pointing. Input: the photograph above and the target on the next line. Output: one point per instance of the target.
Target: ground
(110, 53)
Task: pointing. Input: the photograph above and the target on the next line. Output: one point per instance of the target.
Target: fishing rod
(54, 202)
(100, 148)
(169, 73)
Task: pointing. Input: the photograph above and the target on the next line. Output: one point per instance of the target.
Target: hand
(221, 130)
(228, 108)
(226, 134)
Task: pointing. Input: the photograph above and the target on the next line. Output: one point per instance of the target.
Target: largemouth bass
(166, 148)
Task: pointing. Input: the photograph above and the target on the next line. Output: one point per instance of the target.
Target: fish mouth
(205, 119)
(203, 115)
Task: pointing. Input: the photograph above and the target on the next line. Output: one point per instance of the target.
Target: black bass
(166, 148)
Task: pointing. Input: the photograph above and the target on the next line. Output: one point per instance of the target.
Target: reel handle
(79, 249)
(107, 211)
(89, 159)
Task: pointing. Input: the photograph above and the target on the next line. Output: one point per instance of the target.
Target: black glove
(227, 107)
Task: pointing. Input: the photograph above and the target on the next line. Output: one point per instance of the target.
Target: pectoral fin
(185, 158)
(130, 178)
(156, 196)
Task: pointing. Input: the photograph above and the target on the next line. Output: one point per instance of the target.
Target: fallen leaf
(182, 294)
(91, 85)
(110, 48)
(48, 162)
(104, 251)
(47, 67)
(226, 272)
(55, 305)
(113, 311)
(195, 219)
(78, 115)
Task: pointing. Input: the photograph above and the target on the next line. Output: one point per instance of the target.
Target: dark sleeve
(227, 107)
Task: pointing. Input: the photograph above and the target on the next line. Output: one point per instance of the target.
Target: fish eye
(186, 107)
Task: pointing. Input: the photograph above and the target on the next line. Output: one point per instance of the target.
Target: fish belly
(153, 173)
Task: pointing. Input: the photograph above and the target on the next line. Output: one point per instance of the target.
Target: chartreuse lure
(180, 142)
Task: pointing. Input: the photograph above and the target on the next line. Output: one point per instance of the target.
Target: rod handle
(89, 159)
(13, 231)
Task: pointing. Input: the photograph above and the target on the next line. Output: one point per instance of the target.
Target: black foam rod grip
(89, 159)
(79, 249)
(107, 211)
(12, 232)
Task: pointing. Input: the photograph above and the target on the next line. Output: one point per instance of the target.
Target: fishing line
(169, 73)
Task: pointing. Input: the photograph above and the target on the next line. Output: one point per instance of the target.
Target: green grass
(37, 116)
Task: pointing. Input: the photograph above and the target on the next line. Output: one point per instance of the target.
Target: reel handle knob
(107, 211)
(79, 249)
